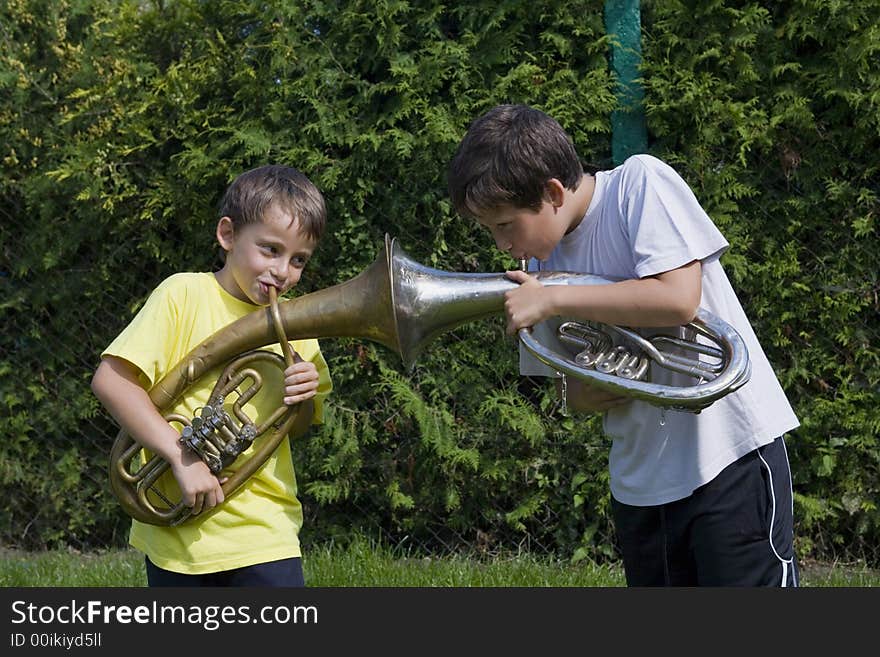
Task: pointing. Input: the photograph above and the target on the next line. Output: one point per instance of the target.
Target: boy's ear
(225, 232)
(554, 192)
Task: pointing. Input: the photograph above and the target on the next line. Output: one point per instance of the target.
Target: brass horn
(214, 435)
(402, 305)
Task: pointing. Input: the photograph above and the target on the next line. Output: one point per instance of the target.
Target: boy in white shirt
(698, 499)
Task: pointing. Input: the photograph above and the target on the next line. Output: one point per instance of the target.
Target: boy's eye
(268, 248)
(299, 261)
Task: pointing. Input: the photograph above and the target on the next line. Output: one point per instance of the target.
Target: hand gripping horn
(403, 306)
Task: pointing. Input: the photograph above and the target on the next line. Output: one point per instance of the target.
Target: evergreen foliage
(122, 122)
(770, 110)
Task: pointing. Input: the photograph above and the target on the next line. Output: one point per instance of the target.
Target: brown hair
(507, 157)
(252, 192)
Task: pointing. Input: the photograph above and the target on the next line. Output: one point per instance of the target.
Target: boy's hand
(526, 305)
(300, 381)
(200, 488)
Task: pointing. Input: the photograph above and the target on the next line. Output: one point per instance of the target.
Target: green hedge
(122, 122)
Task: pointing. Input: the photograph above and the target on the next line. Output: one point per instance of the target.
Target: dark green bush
(122, 122)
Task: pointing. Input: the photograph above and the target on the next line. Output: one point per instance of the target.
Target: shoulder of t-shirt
(644, 164)
(643, 169)
(184, 281)
(179, 290)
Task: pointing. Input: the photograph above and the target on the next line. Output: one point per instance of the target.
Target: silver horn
(428, 302)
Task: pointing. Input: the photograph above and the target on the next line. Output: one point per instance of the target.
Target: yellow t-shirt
(260, 521)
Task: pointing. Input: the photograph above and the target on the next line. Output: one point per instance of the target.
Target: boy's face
(270, 253)
(525, 233)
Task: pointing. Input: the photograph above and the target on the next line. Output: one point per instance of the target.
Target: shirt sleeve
(143, 342)
(667, 226)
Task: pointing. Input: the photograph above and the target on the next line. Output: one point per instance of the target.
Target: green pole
(629, 133)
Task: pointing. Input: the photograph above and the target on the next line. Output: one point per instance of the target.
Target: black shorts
(284, 572)
(736, 530)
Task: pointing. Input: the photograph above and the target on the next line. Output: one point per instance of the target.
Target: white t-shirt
(644, 220)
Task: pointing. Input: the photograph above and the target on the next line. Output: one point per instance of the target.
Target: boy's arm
(300, 387)
(116, 384)
(667, 299)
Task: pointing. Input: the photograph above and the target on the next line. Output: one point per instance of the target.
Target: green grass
(366, 563)
(363, 564)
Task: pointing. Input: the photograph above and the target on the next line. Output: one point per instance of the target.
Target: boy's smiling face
(269, 253)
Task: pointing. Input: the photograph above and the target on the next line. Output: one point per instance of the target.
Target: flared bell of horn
(428, 302)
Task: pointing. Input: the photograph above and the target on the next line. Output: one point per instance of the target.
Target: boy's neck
(580, 200)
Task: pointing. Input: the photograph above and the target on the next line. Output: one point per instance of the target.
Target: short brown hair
(252, 192)
(507, 157)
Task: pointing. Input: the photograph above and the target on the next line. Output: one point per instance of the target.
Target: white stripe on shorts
(786, 563)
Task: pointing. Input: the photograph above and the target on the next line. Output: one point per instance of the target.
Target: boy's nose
(279, 271)
(286, 275)
(503, 244)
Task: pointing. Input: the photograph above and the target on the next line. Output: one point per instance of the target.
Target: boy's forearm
(671, 299)
(305, 413)
(622, 303)
(134, 411)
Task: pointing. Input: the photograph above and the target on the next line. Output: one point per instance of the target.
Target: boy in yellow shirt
(271, 219)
